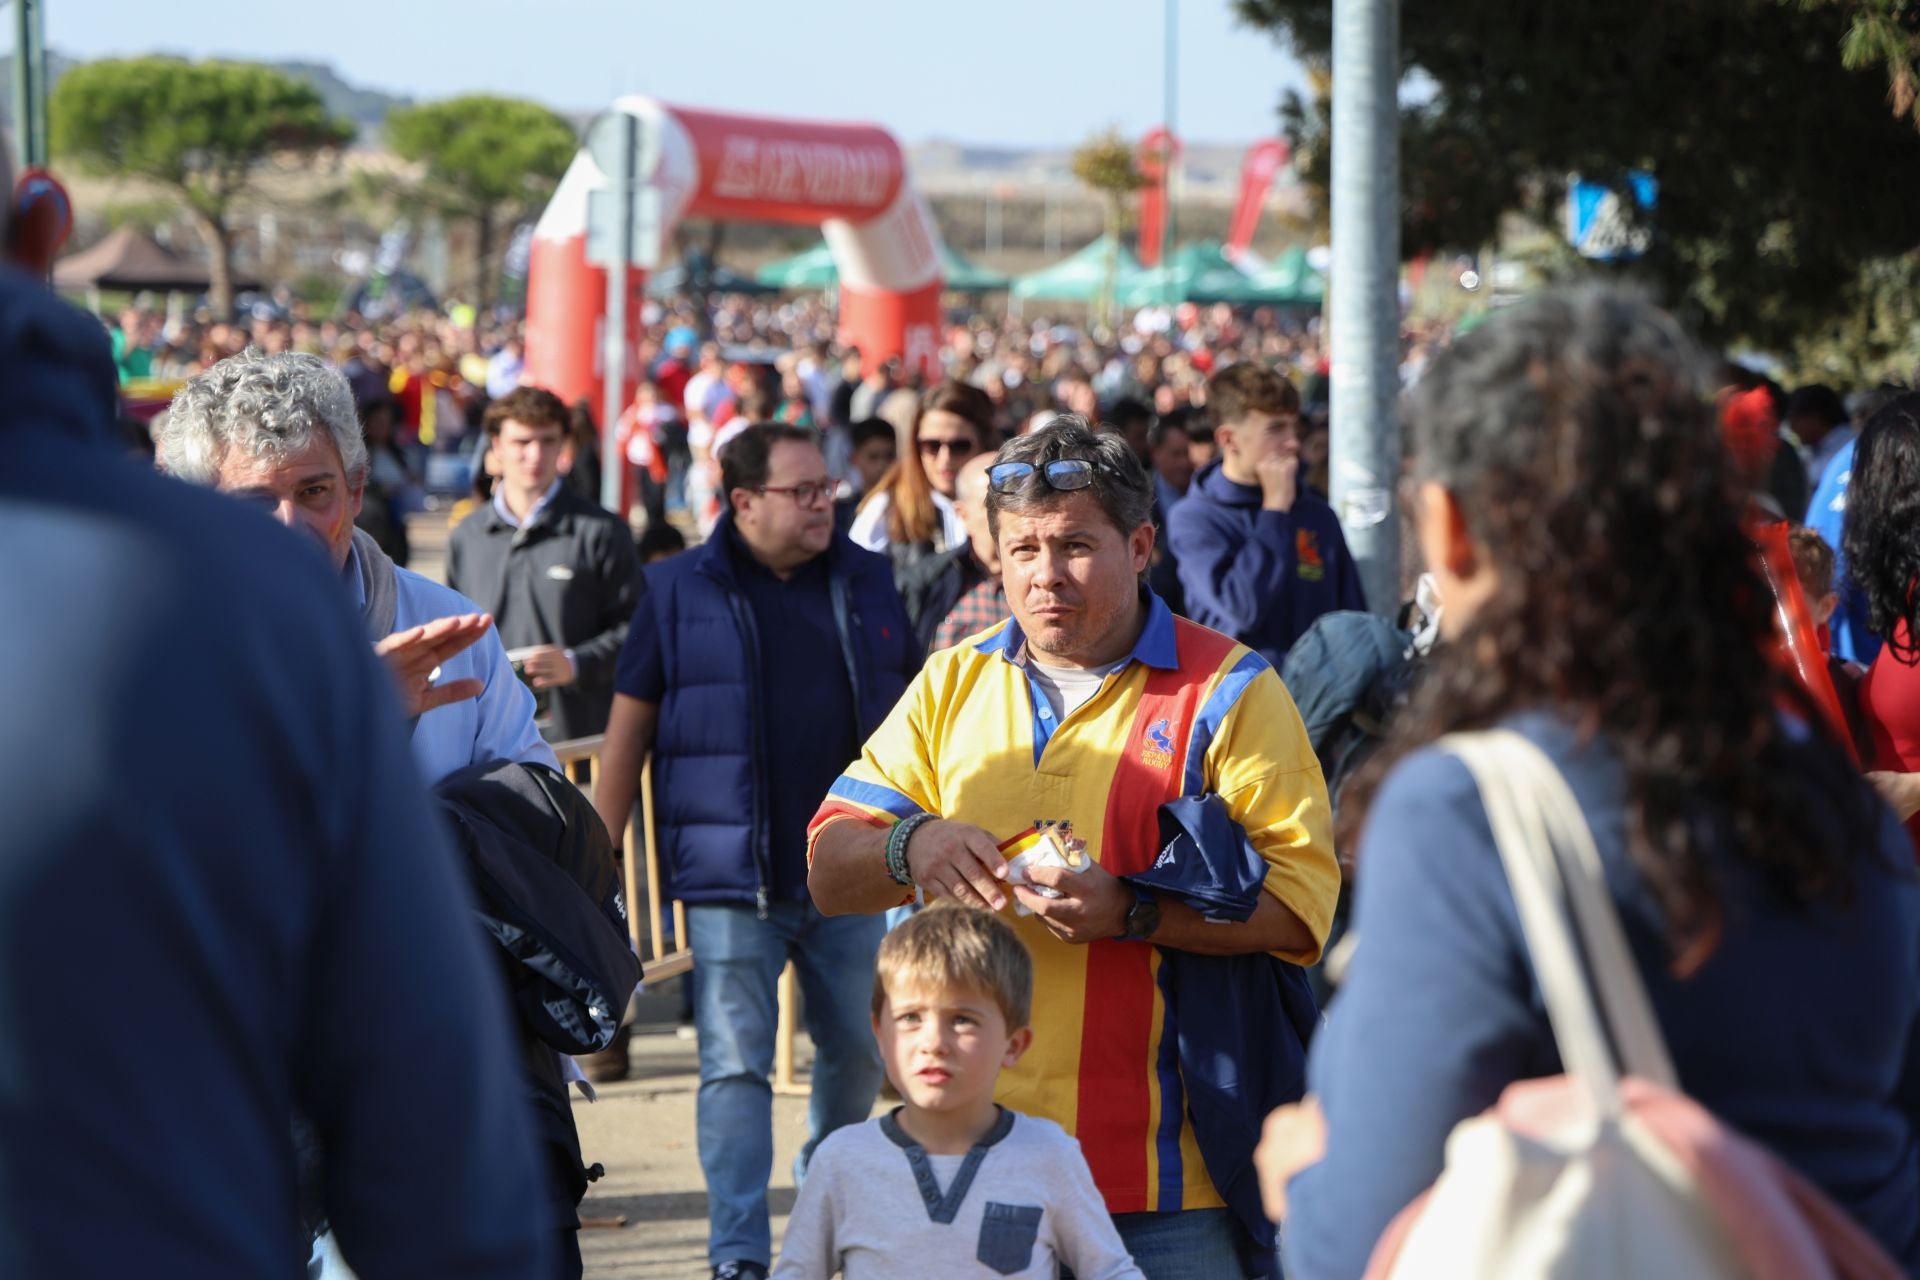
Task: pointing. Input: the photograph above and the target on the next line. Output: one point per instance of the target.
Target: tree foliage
(1781, 170)
(489, 159)
(201, 129)
(1105, 165)
(1883, 33)
(1875, 337)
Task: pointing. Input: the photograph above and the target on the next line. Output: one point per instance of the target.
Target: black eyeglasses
(1062, 473)
(805, 495)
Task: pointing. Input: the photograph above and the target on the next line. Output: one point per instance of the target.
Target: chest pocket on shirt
(1007, 1233)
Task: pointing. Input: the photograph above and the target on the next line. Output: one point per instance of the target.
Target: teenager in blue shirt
(1260, 556)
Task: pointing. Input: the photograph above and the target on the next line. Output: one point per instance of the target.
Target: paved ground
(427, 544)
(642, 1131)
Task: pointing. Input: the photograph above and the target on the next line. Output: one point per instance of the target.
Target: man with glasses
(752, 671)
(1073, 723)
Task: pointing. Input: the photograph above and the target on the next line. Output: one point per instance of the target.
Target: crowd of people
(962, 690)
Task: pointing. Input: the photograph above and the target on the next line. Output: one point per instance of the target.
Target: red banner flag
(1158, 150)
(1263, 160)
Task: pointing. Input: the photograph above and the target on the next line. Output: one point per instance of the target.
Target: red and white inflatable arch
(850, 180)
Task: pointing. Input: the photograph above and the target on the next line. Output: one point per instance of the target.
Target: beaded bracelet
(897, 846)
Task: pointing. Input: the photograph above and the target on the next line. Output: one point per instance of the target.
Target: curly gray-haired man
(281, 431)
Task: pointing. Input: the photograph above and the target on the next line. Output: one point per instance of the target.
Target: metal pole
(613, 356)
(23, 85)
(22, 82)
(1365, 291)
(36, 149)
(1166, 158)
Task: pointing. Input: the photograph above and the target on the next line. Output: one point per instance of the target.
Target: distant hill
(367, 108)
(1210, 172)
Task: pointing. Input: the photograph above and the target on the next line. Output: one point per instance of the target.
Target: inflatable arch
(850, 180)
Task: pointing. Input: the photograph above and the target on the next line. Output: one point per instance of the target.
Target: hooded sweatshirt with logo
(1260, 576)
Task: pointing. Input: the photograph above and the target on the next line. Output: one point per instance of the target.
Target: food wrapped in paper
(1049, 845)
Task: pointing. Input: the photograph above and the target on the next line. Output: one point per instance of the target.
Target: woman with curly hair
(910, 513)
(1576, 502)
(1881, 539)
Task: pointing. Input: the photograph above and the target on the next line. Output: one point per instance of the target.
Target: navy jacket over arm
(1241, 1024)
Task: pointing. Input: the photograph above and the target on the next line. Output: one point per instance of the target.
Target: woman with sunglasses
(910, 513)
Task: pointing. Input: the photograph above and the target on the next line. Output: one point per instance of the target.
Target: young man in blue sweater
(1260, 557)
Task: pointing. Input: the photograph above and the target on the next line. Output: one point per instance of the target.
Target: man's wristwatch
(1143, 918)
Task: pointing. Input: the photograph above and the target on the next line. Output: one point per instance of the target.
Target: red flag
(1263, 160)
(1157, 151)
(1797, 649)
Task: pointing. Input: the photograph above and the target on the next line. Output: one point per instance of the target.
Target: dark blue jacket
(1261, 577)
(208, 801)
(1241, 1024)
(709, 747)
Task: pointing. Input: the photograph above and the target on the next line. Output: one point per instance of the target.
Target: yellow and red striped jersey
(1190, 713)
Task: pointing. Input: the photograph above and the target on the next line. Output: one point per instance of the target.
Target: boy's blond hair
(949, 945)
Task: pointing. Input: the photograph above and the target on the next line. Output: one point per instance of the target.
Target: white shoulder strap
(1623, 996)
(1548, 852)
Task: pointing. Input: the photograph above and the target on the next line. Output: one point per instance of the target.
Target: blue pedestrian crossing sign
(1600, 226)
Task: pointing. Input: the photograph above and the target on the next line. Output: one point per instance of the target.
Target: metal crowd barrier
(580, 758)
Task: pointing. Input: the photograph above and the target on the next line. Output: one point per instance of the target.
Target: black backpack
(547, 887)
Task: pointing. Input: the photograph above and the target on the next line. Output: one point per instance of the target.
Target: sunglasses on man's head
(1062, 473)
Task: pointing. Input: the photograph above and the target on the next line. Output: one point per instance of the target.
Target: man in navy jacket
(754, 668)
(1260, 555)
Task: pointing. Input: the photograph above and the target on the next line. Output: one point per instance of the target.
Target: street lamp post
(29, 84)
(1167, 157)
(1364, 292)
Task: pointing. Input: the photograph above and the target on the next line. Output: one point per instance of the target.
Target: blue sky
(1020, 72)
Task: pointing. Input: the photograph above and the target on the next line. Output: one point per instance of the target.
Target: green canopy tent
(812, 269)
(1198, 272)
(815, 269)
(1290, 280)
(1080, 277)
(963, 276)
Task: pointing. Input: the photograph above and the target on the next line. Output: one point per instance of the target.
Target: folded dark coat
(1241, 1023)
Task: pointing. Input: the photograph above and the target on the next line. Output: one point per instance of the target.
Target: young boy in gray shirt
(950, 1183)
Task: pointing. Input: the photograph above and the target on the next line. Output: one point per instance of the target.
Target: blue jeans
(1197, 1244)
(735, 1009)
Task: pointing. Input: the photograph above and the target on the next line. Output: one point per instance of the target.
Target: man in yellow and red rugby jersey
(1088, 710)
